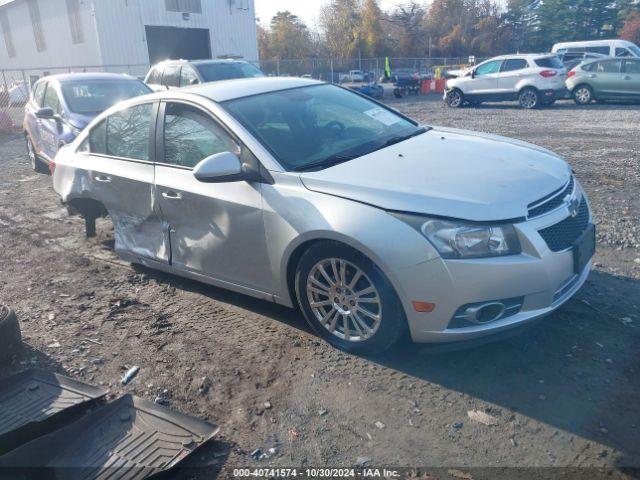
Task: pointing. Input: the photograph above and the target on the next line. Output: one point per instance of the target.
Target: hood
(456, 73)
(450, 173)
(81, 121)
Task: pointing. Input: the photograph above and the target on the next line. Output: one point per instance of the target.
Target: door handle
(172, 195)
(103, 179)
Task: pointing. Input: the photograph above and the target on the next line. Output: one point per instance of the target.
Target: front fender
(295, 216)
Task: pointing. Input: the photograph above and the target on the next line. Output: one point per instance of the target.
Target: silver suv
(532, 80)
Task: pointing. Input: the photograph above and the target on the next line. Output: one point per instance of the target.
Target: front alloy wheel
(36, 164)
(344, 300)
(347, 300)
(455, 98)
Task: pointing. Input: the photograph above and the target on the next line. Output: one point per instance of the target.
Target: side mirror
(219, 168)
(194, 81)
(45, 113)
(473, 74)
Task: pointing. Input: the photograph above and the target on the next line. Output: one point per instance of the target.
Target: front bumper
(542, 278)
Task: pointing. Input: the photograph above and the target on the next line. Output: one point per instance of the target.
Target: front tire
(347, 300)
(529, 98)
(34, 159)
(583, 95)
(455, 98)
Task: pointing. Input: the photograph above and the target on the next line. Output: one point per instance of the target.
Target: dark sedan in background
(60, 106)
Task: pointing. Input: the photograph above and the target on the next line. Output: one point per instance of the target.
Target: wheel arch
(302, 244)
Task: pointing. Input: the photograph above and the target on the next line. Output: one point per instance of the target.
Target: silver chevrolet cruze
(307, 194)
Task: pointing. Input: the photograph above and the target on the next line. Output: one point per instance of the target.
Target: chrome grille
(552, 201)
(563, 235)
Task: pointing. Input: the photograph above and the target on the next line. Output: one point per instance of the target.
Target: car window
(604, 50)
(171, 76)
(124, 134)
(514, 64)
(307, 126)
(549, 62)
(589, 67)
(38, 93)
(95, 96)
(191, 135)
(609, 66)
(51, 100)
(632, 66)
(213, 72)
(155, 76)
(489, 67)
(623, 52)
(188, 77)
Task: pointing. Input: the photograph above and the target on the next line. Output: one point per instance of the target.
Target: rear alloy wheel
(529, 98)
(347, 300)
(455, 98)
(583, 95)
(36, 163)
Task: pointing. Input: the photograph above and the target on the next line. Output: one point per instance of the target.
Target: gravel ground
(563, 394)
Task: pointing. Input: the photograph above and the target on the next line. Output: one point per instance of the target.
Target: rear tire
(529, 98)
(347, 300)
(454, 98)
(583, 95)
(36, 164)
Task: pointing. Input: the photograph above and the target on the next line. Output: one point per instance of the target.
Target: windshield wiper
(326, 163)
(398, 139)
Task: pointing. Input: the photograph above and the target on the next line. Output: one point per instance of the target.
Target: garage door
(172, 43)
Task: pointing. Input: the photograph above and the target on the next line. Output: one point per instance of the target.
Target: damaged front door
(122, 177)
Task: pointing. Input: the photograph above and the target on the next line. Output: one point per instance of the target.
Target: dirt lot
(565, 393)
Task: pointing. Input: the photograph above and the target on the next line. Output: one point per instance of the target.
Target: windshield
(319, 125)
(213, 72)
(93, 97)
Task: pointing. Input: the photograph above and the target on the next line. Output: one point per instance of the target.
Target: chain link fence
(15, 85)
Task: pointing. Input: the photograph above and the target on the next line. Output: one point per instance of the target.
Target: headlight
(466, 240)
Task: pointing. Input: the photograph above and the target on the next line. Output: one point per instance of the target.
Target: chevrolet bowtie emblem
(573, 204)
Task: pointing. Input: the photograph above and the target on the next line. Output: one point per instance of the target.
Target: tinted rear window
(213, 72)
(549, 62)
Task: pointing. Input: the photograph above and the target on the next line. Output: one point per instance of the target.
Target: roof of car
(201, 62)
(526, 55)
(246, 87)
(76, 77)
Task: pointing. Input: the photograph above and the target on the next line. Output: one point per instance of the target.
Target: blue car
(60, 106)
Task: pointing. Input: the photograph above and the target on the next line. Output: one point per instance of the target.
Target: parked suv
(182, 73)
(600, 80)
(61, 106)
(532, 80)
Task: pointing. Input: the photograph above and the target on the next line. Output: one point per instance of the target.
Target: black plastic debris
(127, 439)
(35, 402)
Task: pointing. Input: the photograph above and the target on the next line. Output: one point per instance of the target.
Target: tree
(340, 21)
(407, 29)
(371, 34)
(631, 28)
(288, 37)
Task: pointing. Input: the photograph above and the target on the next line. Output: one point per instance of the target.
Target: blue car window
(51, 100)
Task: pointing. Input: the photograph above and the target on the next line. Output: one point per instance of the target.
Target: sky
(307, 10)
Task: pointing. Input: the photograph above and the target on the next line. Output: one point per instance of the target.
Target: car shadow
(576, 370)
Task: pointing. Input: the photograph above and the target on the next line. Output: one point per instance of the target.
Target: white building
(41, 36)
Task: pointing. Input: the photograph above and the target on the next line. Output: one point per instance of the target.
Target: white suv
(532, 80)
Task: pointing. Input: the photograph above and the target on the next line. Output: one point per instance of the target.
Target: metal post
(277, 67)
(331, 62)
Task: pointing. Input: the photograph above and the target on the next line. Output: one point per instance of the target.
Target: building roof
(246, 87)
